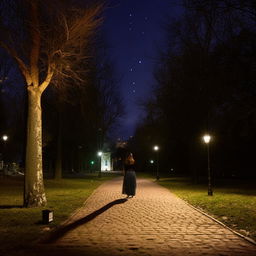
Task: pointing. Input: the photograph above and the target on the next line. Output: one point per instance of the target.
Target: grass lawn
(21, 227)
(233, 204)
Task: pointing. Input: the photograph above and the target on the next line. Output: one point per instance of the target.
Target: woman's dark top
(129, 167)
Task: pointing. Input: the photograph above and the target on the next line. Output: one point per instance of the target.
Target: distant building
(106, 162)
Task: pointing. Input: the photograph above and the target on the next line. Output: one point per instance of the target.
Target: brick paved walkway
(154, 223)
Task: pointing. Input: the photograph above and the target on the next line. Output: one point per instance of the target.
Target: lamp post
(99, 155)
(156, 149)
(4, 139)
(207, 139)
(151, 162)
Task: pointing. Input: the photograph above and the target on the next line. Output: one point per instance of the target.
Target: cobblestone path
(153, 223)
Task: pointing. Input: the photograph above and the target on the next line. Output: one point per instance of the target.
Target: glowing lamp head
(156, 148)
(99, 153)
(151, 161)
(5, 137)
(207, 138)
(92, 162)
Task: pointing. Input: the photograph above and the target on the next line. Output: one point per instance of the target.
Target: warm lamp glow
(156, 148)
(5, 137)
(207, 138)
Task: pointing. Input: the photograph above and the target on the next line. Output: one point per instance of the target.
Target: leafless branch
(21, 64)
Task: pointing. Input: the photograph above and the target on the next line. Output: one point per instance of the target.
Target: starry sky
(134, 31)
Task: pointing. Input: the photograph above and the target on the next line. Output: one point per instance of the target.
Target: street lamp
(99, 155)
(4, 137)
(207, 140)
(156, 149)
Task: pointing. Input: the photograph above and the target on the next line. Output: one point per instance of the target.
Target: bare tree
(110, 102)
(55, 36)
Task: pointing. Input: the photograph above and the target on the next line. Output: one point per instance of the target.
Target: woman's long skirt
(129, 183)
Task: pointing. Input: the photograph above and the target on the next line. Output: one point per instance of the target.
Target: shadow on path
(10, 206)
(60, 232)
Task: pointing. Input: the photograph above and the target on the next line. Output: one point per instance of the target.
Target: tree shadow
(60, 232)
(10, 206)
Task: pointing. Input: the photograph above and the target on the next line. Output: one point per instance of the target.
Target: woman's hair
(129, 160)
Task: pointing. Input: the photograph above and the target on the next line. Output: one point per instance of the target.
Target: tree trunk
(34, 185)
(58, 162)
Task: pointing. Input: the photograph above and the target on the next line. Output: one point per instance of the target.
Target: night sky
(134, 31)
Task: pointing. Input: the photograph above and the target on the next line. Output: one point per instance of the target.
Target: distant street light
(207, 140)
(5, 137)
(99, 155)
(151, 161)
(156, 149)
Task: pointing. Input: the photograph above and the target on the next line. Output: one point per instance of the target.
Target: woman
(129, 182)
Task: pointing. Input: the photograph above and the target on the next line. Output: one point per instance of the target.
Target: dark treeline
(205, 83)
(12, 111)
(74, 130)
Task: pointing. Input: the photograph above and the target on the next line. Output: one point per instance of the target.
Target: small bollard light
(47, 216)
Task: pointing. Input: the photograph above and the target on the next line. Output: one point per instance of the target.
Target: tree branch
(35, 48)
(24, 69)
(50, 73)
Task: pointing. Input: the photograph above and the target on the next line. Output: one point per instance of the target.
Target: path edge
(248, 239)
(221, 223)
